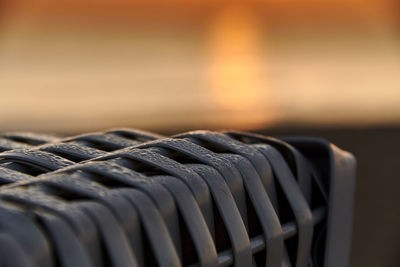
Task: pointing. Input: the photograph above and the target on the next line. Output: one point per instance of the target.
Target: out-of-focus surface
(82, 65)
(376, 232)
(71, 66)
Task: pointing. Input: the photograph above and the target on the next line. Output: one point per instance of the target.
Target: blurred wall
(82, 65)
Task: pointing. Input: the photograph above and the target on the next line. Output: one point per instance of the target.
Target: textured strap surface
(35, 154)
(195, 199)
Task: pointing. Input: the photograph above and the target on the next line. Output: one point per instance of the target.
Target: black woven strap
(42, 153)
(197, 199)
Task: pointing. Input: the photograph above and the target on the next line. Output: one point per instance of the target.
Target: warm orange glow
(81, 65)
(235, 69)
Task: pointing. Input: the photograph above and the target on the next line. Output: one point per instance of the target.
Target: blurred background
(281, 67)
